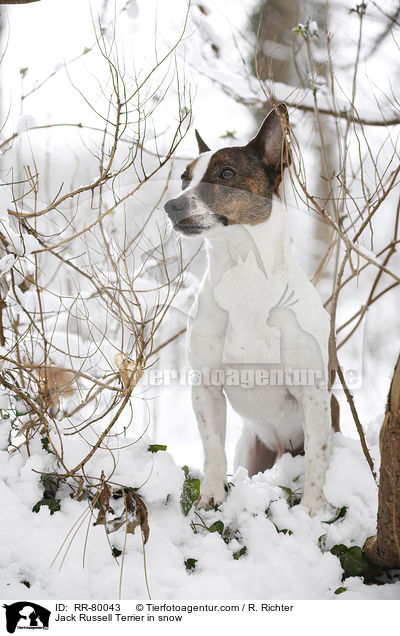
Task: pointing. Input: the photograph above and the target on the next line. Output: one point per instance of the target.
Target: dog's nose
(177, 208)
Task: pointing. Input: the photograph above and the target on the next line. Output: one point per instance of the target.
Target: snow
(283, 559)
(308, 29)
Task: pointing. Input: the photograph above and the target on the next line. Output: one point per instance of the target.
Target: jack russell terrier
(256, 316)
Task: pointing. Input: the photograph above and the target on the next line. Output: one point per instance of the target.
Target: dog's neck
(268, 241)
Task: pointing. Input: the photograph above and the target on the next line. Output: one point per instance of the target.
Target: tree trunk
(384, 549)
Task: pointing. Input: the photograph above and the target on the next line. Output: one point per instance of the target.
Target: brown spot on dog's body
(261, 457)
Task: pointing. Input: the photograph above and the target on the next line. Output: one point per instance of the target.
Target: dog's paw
(211, 496)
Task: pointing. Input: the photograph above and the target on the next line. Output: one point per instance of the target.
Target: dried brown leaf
(130, 372)
(104, 504)
(134, 515)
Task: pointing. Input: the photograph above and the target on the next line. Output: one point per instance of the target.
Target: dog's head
(233, 185)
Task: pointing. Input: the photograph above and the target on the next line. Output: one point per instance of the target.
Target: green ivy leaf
(115, 551)
(239, 553)
(50, 484)
(353, 562)
(154, 448)
(340, 590)
(283, 531)
(286, 489)
(217, 526)
(340, 513)
(190, 564)
(190, 491)
(351, 559)
(46, 445)
(52, 503)
(293, 496)
(339, 550)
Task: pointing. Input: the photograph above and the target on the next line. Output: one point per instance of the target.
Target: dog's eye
(227, 173)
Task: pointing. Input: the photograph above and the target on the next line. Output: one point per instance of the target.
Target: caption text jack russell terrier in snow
(255, 310)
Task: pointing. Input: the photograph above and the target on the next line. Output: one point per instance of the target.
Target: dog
(256, 314)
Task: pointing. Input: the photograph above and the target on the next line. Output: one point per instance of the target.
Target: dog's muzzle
(183, 218)
(177, 209)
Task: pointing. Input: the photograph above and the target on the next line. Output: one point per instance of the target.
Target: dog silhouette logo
(26, 615)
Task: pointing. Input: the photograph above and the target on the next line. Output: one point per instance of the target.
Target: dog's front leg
(317, 434)
(209, 404)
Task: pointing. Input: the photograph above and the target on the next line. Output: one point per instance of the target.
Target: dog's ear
(270, 140)
(201, 144)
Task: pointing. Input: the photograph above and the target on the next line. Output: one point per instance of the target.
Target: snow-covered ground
(287, 555)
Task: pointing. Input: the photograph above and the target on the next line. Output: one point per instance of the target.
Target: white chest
(255, 305)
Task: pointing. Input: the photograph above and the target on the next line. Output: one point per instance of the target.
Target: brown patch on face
(237, 186)
(187, 176)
